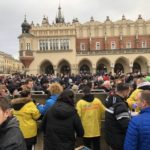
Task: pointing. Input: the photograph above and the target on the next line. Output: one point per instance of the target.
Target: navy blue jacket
(138, 133)
(49, 103)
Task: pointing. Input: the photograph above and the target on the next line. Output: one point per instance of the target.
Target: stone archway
(46, 67)
(64, 67)
(85, 66)
(140, 64)
(136, 67)
(118, 68)
(103, 66)
(121, 65)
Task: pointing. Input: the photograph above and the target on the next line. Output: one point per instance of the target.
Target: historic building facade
(120, 46)
(9, 65)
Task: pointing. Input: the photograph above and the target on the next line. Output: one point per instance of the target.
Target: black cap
(122, 87)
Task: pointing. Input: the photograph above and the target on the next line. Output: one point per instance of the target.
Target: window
(128, 45)
(113, 45)
(41, 45)
(54, 44)
(144, 44)
(97, 45)
(82, 46)
(50, 44)
(46, 45)
(28, 46)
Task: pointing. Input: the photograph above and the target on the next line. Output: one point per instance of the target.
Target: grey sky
(12, 14)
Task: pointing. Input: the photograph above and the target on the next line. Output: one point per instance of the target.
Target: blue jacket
(138, 133)
(50, 102)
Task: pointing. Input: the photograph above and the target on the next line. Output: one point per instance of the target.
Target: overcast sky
(12, 14)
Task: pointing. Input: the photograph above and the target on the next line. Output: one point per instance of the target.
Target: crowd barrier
(40, 98)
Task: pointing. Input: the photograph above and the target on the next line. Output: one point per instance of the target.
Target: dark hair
(24, 93)
(4, 103)
(86, 90)
(28, 80)
(67, 96)
(145, 95)
(122, 87)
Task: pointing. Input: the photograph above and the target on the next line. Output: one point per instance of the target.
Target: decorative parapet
(113, 52)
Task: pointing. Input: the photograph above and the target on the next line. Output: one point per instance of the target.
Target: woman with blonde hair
(55, 90)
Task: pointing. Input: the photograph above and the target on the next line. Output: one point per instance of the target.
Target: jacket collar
(147, 109)
(21, 100)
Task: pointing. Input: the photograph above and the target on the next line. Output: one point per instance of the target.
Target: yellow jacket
(133, 99)
(26, 113)
(91, 116)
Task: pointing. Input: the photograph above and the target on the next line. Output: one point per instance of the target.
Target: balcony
(55, 51)
(28, 53)
(25, 53)
(113, 51)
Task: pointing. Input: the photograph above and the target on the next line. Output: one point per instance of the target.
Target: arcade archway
(103, 66)
(85, 66)
(121, 65)
(46, 67)
(64, 67)
(140, 64)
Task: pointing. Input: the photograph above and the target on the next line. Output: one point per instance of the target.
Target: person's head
(107, 84)
(3, 91)
(29, 83)
(55, 88)
(143, 99)
(5, 109)
(67, 96)
(139, 81)
(75, 88)
(86, 90)
(25, 93)
(123, 89)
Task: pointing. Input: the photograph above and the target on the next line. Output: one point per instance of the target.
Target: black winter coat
(60, 124)
(11, 137)
(117, 117)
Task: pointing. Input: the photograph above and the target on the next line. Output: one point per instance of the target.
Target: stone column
(131, 66)
(112, 68)
(73, 69)
(55, 69)
(148, 68)
(93, 70)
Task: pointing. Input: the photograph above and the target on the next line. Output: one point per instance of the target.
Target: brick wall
(120, 44)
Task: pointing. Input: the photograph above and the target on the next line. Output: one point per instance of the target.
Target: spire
(25, 26)
(60, 18)
(25, 18)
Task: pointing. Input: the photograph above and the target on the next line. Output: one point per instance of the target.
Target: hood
(18, 103)
(88, 98)
(144, 86)
(62, 110)
(9, 123)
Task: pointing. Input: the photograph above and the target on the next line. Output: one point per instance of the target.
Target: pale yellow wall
(78, 30)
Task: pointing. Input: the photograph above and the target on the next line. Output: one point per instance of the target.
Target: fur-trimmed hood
(18, 103)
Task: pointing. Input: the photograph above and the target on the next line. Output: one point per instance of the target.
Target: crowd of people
(126, 111)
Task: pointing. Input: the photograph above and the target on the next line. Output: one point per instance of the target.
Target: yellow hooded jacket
(91, 116)
(133, 99)
(26, 113)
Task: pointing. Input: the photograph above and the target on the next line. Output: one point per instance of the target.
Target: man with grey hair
(138, 133)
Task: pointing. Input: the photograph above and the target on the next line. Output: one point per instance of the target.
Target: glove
(134, 106)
